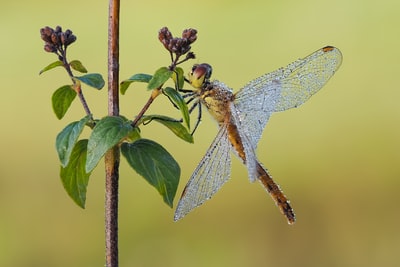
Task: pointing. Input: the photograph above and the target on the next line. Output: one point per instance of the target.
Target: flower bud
(68, 32)
(63, 37)
(190, 35)
(45, 34)
(70, 40)
(48, 47)
(55, 38)
(165, 36)
(190, 55)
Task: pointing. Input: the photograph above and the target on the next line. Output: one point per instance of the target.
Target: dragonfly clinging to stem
(242, 117)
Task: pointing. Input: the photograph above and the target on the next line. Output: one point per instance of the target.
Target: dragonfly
(241, 119)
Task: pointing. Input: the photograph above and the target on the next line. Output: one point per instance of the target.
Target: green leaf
(77, 65)
(133, 135)
(178, 77)
(62, 99)
(57, 63)
(74, 177)
(67, 139)
(139, 77)
(94, 80)
(159, 78)
(178, 100)
(175, 126)
(155, 164)
(108, 132)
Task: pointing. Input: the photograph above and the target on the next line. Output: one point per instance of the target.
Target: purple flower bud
(48, 47)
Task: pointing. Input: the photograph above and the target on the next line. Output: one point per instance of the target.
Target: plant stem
(84, 104)
(112, 157)
(77, 87)
(154, 94)
(111, 206)
(113, 58)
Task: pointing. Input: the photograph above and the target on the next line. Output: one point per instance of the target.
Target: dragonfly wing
(211, 173)
(306, 76)
(284, 88)
(254, 105)
(248, 147)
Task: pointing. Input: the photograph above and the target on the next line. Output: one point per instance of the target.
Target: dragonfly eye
(193, 69)
(208, 69)
(200, 75)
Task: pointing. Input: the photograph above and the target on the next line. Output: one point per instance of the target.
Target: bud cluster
(56, 40)
(175, 45)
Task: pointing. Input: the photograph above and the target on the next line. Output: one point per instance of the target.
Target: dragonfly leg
(193, 96)
(198, 116)
(145, 122)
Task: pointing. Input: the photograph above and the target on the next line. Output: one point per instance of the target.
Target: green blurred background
(336, 157)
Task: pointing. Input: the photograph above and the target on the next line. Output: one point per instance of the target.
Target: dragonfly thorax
(217, 97)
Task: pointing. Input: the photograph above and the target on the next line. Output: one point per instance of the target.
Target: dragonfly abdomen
(236, 141)
(276, 193)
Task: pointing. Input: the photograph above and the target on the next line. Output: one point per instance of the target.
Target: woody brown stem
(112, 157)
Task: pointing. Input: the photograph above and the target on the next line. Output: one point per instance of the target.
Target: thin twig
(154, 94)
(77, 86)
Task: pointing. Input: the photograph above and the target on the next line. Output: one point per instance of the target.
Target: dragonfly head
(200, 75)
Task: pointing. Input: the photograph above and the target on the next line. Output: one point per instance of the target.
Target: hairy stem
(112, 157)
